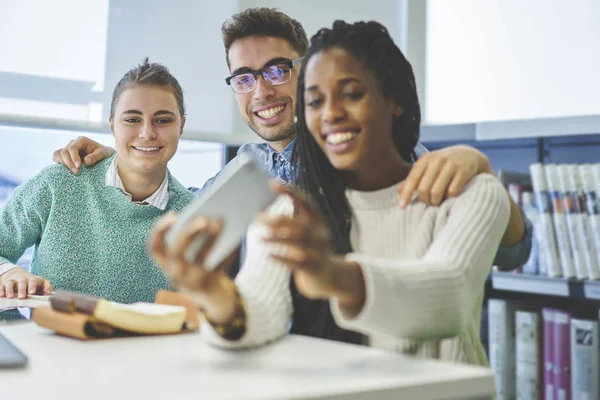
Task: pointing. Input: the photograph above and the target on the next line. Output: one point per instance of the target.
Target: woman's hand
(23, 283)
(213, 290)
(307, 249)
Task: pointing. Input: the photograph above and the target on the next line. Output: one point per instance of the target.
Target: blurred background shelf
(522, 283)
(544, 286)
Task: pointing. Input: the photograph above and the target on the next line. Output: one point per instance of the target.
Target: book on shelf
(582, 243)
(584, 359)
(593, 262)
(591, 191)
(548, 343)
(556, 355)
(501, 343)
(528, 355)
(566, 222)
(550, 263)
(560, 222)
(86, 317)
(532, 266)
(516, 190)
(562, 356)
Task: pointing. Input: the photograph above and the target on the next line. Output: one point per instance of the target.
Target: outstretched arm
(259, 301)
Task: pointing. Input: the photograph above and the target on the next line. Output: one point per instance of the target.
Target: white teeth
(337, 138)
(148, 149)
(271, 112)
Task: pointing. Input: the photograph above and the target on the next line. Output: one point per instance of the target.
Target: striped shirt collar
(159, 199)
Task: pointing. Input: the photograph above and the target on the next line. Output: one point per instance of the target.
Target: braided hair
(371, 44)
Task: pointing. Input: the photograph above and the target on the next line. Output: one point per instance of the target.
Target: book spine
(584, 359)
(548, 317)
(550, 263)
(515, 191)
(560, 224)
(532, 264)
(586, 237)
(562, 356)
(591, 206)
(502, 347)
(570, 202)
(591, 183)
(528, 355)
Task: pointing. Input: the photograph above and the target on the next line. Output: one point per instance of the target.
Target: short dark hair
(264, 21)
(153, 74)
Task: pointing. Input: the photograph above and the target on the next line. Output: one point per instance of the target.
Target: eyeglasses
(275, 74)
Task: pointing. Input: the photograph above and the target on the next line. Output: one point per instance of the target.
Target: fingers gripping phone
(240, 193)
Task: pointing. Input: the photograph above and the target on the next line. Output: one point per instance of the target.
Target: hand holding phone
(238, 195)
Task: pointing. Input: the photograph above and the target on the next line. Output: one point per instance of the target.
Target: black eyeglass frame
(290, 63)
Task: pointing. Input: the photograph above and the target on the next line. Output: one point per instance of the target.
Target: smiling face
(268, 110)
(347, 113)
(146, 125)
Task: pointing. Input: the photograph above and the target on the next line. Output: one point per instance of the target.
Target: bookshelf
(533, 284)
(544, 286)
(591, 290)
(554, 308)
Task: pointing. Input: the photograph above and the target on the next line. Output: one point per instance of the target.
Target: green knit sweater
(88, 237)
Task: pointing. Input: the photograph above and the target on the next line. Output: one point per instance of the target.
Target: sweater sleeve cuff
(370, 315)
(213, 338)
(7, 266)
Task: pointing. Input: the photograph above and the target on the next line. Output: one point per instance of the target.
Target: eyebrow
(132, 112)
(243, 70)
(163, 112)
(138, 112)
(342, 82)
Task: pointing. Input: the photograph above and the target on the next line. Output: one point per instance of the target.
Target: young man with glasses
(264, 48)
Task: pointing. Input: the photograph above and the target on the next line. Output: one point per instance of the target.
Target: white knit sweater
(424, 269)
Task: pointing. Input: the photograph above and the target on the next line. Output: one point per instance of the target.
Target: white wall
(184, 35)
(37, 45)
(316, 14)
(489, 60)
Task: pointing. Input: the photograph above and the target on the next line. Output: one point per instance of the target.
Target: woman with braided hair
(362, 270)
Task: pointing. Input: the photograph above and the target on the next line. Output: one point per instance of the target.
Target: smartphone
(10, 355)
(238, 195)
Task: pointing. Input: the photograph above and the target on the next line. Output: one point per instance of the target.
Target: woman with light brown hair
(90, 230)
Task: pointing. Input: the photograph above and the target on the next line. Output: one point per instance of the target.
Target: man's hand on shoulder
(443, 173)
(81, 148)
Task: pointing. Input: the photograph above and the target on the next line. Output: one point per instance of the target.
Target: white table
(183, 367)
